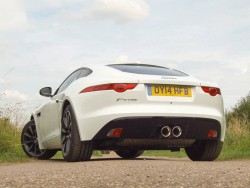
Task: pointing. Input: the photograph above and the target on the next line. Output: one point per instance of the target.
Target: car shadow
(143, 158)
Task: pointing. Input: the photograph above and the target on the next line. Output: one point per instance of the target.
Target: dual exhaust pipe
(166, 131)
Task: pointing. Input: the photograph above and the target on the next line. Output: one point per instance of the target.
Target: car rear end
(151, 107)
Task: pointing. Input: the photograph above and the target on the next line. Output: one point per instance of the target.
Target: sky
(43, 41)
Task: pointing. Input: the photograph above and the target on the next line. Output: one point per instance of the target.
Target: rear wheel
(129, 154)
(30, 145)
(207, 150)
(73, 149)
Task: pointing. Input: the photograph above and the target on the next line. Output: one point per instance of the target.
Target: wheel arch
(67, 102)
(32, 118)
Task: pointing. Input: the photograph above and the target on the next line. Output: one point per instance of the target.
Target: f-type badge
(126, 100)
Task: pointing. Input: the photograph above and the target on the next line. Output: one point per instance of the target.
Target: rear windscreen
(147, 69)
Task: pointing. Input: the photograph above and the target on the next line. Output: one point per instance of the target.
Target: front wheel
(30, 144)
(207, 150)
(129, 154)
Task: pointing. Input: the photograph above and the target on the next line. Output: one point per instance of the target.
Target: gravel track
(111, 171)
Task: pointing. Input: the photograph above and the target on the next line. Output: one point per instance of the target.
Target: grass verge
(10, 147)
(165, 153)
(237, 140)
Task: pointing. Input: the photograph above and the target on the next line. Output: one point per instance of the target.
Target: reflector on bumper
(115, 132)
(212, 134)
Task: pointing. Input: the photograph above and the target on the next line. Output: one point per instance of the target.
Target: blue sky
(42, 41)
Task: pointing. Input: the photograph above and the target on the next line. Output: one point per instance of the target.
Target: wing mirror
(46, 92)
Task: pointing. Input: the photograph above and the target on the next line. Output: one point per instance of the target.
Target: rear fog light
(115, 132)
(212, 134)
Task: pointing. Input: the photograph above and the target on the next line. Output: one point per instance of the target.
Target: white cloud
(12, 16)
(125, 59)
(2, 81)
(54, 3)
(122, 59)
(240, 64)
(15, 95)
(46, 4)
(120, 11)
(244, 71)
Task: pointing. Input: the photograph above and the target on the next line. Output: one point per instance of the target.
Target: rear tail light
(213, 91)
(116, 87)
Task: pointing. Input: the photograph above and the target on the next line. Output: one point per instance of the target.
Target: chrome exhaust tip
(165, 131)
(177, 131)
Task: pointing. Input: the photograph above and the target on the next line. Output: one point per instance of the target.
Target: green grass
(237, 141)
(10, 147)
(165, 153)
(13, 157)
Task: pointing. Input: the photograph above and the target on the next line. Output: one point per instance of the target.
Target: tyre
(30, 145)
(129, 154)
(207, 150)
(73, 149)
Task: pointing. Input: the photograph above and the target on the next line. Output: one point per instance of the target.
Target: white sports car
(127, 108)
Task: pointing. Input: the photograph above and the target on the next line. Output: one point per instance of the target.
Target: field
(236, 145)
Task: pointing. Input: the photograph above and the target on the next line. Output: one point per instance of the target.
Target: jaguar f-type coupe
(127, 108)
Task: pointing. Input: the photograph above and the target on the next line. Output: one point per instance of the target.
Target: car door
(49, 123)
(50, 115)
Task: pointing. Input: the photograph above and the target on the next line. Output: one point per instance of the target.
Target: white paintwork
(95, 109)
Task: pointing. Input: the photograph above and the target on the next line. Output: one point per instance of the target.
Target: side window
(84, 72)
(68, 81)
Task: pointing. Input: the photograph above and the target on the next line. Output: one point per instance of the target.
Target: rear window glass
(147, 69)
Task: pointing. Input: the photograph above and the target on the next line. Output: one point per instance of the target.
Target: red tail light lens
(116, 87)
(213, 91)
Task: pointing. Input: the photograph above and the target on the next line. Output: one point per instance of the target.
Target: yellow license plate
(169, 90)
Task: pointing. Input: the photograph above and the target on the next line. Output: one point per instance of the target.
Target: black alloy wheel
(30, 143)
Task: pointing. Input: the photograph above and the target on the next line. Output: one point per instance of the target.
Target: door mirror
(46, 92)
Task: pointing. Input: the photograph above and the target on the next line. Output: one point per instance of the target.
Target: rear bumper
(137, 130)
(96, 110)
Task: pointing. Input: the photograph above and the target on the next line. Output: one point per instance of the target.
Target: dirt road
(115, 172)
